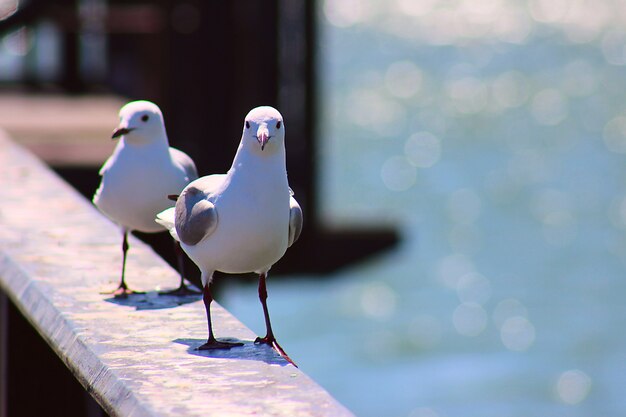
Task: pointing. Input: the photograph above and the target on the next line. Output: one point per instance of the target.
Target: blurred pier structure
(206, 63)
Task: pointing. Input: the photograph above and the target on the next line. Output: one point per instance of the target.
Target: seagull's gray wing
(196, 216)
(210, 184)
(295, 220)
(185, 161)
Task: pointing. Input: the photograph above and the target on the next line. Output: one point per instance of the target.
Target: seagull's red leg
(269, 338)
(212, 342)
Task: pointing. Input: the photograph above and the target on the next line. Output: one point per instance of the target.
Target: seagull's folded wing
(195, 216)
(185, 162)
(295, 220)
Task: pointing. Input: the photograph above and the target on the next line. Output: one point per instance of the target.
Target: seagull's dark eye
(278, 124)
(145, 118)
(247, 124)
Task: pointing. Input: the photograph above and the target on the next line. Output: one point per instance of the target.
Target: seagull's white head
(264, 130)
(140, 122)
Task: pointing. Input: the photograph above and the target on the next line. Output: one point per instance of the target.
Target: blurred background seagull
(138, 177)
(242, 221)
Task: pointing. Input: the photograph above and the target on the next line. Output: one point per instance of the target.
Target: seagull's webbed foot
(271, 340)
(213, 343)
(122, 292)
(182, 291)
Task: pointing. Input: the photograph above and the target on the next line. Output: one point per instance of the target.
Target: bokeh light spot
(517, 333)
(423, 149)
(451, 268)
(573, 386)
(469, 95)
(549, 107)
(416, 8)
(548, 11)
(378, 300)
(369, 109)
(403, 79)
(614, 47)
(398, 174)
(345, 13)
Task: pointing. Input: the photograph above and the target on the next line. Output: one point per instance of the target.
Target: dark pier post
(321, 249)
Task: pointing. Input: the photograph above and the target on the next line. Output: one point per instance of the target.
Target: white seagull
(138, 177)
(242, 221)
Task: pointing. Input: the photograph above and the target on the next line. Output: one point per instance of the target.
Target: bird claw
(271, 341)
(217, 344)
(122, 292)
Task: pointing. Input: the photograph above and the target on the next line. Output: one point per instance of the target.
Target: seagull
(242, 221)
(138, 177)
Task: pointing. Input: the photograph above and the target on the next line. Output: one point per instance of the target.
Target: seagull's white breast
(135, 185)
(253, 224)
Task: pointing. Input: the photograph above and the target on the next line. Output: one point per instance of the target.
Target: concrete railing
(135, 357)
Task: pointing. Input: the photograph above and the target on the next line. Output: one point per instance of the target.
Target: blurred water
(493, 133)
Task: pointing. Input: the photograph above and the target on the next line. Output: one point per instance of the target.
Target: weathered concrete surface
(136, 357)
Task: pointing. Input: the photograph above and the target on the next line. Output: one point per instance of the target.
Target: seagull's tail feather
(166, 219)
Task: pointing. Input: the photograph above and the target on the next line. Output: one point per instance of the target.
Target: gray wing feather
(185, 161)
(196, 217)
(210, 184)
(295, 220)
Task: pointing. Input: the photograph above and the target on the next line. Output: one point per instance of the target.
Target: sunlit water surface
(493, 135)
